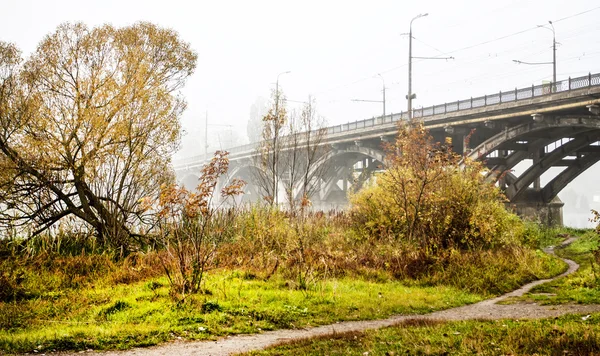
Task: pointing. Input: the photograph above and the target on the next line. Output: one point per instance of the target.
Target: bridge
(555, 125)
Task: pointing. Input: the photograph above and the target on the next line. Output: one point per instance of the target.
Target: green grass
(568, 335)
(581, 287)
(143, 313)
(493, 273)
(97, 312)
(92, 302)
(560, 336)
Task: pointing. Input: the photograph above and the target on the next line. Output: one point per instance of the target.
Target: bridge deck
(563, 95)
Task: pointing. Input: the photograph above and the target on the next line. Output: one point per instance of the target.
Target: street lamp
(410, 95)
(551, 28)
(275, 136)
(553, 50)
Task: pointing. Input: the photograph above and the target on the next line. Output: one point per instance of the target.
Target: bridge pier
(534, 209)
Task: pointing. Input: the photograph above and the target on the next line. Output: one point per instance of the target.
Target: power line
(430, 46)
(518, 32)
(459, 49)
(580, 13)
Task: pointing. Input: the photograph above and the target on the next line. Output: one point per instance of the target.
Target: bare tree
(266, 177)
(303, 147)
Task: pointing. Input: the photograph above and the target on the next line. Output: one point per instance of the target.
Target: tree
(302, 148)
(88, 124)
(266, 177)
(417, 164)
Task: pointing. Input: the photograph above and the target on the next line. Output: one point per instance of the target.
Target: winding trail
(487, 309)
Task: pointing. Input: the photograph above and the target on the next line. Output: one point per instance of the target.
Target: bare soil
(487, 309)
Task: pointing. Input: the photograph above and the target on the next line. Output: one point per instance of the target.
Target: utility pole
(553, 56)
(377, 101)
(410, 95)
(551, 28)
(206, 125)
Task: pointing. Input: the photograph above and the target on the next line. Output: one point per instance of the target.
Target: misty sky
(336, 49)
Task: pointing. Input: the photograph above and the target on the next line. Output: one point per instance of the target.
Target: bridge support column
(537, 156)
(549, 214)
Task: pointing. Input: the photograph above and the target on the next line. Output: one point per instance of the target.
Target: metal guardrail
(460, 105)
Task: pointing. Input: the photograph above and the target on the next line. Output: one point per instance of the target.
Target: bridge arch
(376, 154)
(243, 170)
(562, 141)
(343, 169)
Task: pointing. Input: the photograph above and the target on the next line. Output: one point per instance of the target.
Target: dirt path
(487, 309)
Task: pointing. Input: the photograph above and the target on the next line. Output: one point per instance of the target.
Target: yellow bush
(430, 197)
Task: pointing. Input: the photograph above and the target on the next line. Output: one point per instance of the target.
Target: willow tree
(88, 124)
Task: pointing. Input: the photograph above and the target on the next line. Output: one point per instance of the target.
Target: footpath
(487, 309)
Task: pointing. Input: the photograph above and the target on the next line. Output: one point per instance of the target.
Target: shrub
(431, 198)
(191, 228)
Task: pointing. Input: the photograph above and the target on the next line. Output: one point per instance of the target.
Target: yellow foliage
(89, 124)
(425, 198)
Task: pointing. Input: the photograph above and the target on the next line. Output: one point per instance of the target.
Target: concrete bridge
(550, 125)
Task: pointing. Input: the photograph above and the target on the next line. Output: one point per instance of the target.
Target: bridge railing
(460, 105)
(510, 95)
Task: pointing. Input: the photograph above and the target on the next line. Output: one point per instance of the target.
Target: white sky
(335, 49)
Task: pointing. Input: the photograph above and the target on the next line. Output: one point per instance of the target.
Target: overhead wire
(479, 59)
(441, 53)
(524, 70)
(428, 45)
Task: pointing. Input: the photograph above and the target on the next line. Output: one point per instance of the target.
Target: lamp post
(551, 28)
(276, 127)
(410, 95)
(553, 51)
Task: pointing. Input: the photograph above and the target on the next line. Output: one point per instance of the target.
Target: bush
(270, 240)
(191, 228)
(431, 198)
